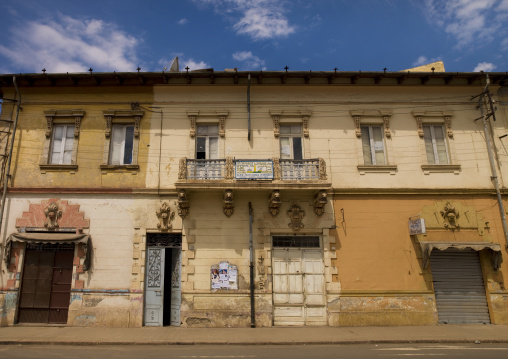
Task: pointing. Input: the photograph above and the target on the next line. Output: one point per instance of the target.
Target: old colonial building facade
(234, 199)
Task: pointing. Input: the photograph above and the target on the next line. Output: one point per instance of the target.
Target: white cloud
(259, 19)
(183, 62)
(424, 60)
(251, 61)
(182, 21)
(193, 65)
(71, 45)
(484, 66)
(469, 21)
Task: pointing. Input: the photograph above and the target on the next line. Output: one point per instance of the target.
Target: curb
(343, 342)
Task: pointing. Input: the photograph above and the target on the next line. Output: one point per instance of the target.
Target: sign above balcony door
(257, 170)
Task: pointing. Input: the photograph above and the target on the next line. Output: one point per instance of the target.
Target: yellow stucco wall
(380, 266)
(30, 137)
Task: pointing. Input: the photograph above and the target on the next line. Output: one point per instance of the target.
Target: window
(435, 144)
(373, 145)
(122, 140)
(291, 142)
(60, 151)
(207, 142)
(62, 144)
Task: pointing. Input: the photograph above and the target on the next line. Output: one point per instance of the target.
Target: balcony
(247, 173)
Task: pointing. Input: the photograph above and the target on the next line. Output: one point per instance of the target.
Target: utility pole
(484, 117)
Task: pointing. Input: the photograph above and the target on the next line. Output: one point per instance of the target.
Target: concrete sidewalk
(247, 336)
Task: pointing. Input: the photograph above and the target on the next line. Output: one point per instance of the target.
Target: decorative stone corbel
(165, 216)
(274, 203)
(296, 215)
(276, 124)
(320, 202)
(305, 122)
(183, 204)
(50, 116)
(137, 121)
(451, 216)
(109, 124)
(192, 118)
(358, 131)
(53, 214)
(229, 206)
(448, 123)
(386, 122)
(77, 125)
(222, 125)
(419, 123)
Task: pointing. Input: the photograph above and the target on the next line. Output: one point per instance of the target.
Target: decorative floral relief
(154, 268)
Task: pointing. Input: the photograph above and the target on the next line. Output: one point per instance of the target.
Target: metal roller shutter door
(458, 286)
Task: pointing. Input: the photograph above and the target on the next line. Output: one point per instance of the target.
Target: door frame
(22, 277)
(167, 240)
(311, 247)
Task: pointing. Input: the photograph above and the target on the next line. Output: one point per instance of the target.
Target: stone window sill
(58, 168)
(119, 168)
(391, 169)
(428, 169)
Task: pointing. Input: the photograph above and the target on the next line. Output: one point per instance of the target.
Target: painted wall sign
(253, 169)
(417, 226)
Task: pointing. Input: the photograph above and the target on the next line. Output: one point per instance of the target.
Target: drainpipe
(9, 158)
(248, 108)
(491, 160)
(251, 247)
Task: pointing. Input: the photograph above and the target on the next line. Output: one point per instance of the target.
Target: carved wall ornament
(276, 168)
(183, 203)
(386, 122)
(137, 121)
(448, 123)
(230, 168)
(77, 125)
(322, 169)
(53, 214)
(419, 123)
(274, 203)
(276, 125)
(305, 122)
(182, 169)
(109, 124)
(261, 272)
(192, 119)
(296, 215)
(49, 125)
(358, 130)
(165, 216)
(229, 206)
(451, 216)
(222, 125)
(320, 202)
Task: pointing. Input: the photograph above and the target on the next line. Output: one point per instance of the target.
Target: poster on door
(223, 276)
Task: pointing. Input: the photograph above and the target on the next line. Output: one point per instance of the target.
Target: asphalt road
(463, 351)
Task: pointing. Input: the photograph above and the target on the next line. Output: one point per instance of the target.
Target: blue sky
(318, 35)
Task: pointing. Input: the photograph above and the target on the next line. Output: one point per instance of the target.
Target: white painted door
(176, 289)
(298, 287)
(154, 301)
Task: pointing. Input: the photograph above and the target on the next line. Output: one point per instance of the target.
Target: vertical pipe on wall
(9, 158)
(251, 247)
(248, 107)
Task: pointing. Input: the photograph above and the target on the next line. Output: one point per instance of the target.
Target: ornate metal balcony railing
(206, 169)
(224, 169)
(299, 169)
